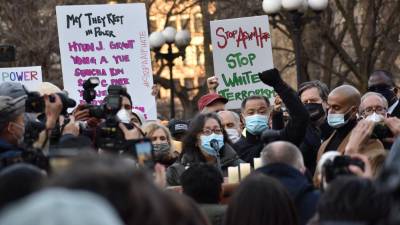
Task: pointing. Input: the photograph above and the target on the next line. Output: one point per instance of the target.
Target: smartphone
(143, 152)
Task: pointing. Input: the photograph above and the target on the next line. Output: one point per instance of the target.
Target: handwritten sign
(30, 77)
(241, 49)
(109, 42)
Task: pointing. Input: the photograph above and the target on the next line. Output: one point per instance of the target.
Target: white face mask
(233, 135)
(375, 117)
(124, 115)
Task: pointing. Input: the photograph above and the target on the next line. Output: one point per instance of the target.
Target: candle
(233, 174)
(244, 170)
(257, 163)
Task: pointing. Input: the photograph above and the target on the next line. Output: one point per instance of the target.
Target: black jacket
(303, 194)
(311, 143)
(293, 132)
(228, 158)
(396, 111)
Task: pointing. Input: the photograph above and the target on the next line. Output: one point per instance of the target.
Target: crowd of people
(327, 157)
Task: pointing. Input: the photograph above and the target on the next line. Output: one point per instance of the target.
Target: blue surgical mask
(256, 124)
(338, 120)
(206, 143)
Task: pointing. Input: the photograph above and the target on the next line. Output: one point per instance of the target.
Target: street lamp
(296, 10)
(170, 36)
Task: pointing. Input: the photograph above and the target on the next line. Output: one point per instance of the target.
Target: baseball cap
(12, 89)
(176, 126)
(47, 88)
(209, 99)
(11, 107)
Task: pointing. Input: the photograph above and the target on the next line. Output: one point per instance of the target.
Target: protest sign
(30, 77)
(241, 49)
(109, 42)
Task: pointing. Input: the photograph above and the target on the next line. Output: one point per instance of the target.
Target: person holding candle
(206, 142)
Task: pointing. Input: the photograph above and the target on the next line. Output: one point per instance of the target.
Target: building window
(198, 23)
(185, 23)
(199, 55)
(189, 82)
(172, 22)
(153, 25)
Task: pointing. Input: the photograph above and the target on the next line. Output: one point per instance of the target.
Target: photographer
(12, 128)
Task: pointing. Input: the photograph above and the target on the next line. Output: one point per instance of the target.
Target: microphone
(214, 144)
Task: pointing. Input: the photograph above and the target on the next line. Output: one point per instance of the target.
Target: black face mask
(386, 91)
(315, 110)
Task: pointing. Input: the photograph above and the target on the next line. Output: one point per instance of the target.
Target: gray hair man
(231, 123)
(284, 161)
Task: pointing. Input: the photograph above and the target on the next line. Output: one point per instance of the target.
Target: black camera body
(108, 134)
(340, 166)
(32, 132)
(381, 131)
(35, 102)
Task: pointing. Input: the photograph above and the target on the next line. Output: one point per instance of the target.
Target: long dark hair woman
(261, 200)
(205, 142)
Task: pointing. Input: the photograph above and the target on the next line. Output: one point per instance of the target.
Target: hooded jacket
(303, 194)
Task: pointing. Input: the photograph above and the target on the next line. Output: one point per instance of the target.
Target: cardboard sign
(30, 77)
(109, 42)
(241, 49)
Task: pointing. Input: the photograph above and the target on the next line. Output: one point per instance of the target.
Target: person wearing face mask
(374, 108)
(381, 81)
(12, 129)
(231, 123)
(343, 103)
(206, 141)
(314, 94)
(161, 139)
(255, 114)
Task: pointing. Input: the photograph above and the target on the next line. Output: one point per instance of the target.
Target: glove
(271, 77)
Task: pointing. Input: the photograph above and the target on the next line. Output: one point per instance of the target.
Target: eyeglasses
(209, 131)
(377, 109)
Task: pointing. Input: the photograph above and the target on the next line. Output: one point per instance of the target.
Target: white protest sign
(109, 42)
(241, 49)
(30, 76)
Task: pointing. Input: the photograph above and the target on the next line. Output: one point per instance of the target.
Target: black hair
(190, 148)
(255, 97)
(126, 94)
(386, 73)
(322, 88)
(202, 183)
(353, 199)
(261, 200)
(18, 181)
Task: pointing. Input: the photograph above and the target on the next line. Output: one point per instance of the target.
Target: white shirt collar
(392, 107)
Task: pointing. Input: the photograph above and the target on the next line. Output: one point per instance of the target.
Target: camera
(32, 132)
(35, 102)
(340, 166)
(143, 151)
(89, 94)
(381, 131)
(108, 134)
